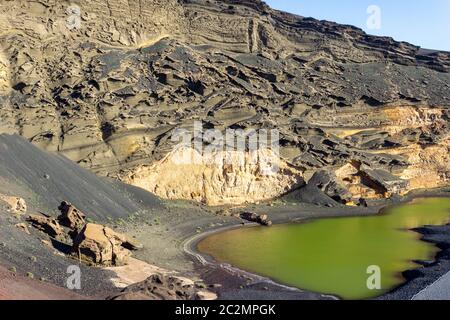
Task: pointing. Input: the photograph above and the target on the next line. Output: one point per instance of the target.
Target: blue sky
(422, 22)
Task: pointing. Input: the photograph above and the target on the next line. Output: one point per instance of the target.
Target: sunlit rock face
(107, 83)
(218, 178)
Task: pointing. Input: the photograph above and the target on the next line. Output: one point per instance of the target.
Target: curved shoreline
(189, 247)
(190, 244)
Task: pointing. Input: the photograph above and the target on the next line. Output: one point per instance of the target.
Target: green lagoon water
(332, 255)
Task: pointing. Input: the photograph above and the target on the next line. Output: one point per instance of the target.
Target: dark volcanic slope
(45, 180)
(110, 93)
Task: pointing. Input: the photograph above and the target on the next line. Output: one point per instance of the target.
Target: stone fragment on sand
(249, 216)
(46, 242)
(262, 219)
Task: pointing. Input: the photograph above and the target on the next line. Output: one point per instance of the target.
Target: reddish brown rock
(100, 245)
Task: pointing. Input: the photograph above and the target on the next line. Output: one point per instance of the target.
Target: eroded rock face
(331, 185)
(164, 287)
(352, 184)
(16, 205)
(71, 217)
(110, 92)
(216, 179)
(262, 219)
(429, 164)
(100, 245)
(5, 84)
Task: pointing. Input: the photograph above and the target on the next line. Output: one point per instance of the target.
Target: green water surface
(332, 255)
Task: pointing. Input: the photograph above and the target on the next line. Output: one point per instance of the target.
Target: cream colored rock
(217, 178)
(16, 205)
(346, 171)
(135, 271)
(71, 217)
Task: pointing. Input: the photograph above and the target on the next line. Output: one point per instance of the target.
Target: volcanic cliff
(108, 82)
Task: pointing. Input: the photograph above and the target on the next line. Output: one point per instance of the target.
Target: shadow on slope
(45, 179)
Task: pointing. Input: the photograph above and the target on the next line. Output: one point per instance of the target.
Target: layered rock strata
(107, 83)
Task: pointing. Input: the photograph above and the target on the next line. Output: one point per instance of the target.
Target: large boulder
(71, 217)
(262, 219)
(100, 245)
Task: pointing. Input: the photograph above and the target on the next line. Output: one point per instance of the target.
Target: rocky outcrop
(164, 287)
(108, 83)
(66, 226)
(48, 225)
(330, 185)
(383, 181)
(100, 245)
(91, 243)
(217, 178)
(262, 219)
